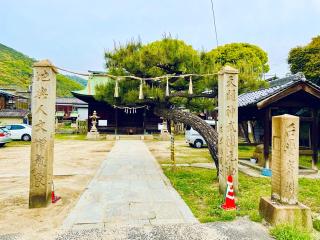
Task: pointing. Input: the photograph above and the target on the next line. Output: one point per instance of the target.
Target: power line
(214, 22)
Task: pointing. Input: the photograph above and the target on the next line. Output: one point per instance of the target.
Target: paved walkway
(129, 189)
(130, 198)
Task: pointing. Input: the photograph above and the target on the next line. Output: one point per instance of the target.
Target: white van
(194, 138)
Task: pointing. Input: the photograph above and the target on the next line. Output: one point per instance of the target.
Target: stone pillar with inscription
(43, 128)
(228, 126)
(283, 206)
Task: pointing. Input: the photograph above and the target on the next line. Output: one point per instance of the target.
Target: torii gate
(43, 129)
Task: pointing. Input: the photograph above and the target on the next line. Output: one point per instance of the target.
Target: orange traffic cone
(230, 202)
(54, 198)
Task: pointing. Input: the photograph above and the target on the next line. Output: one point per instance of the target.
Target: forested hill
(78, 79)
(16, 69)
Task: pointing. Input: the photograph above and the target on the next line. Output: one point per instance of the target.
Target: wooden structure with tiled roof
(290, 95)
(118, 120)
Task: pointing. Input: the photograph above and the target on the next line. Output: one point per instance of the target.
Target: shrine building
(293, 95)
(117, 119)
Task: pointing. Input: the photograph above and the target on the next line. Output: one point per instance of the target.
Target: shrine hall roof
(275, 87)
(94, 80)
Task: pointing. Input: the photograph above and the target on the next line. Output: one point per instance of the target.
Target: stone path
(130, 198)
(129, 189)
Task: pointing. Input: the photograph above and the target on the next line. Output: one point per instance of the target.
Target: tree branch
(204, 129)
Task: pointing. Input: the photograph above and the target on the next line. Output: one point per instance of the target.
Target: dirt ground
(183, 152)
(75, 163)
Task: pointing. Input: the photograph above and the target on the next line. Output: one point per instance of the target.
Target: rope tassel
(190, 86)
(116, 89)
(141, 90)
(167, 88)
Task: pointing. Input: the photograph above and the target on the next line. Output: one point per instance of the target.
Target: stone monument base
(276, 213)
(93, 136)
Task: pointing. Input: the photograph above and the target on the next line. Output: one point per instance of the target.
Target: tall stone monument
(228, 126)
(43, 127)
(283, 206)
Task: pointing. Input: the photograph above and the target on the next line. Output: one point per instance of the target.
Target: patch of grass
(245, 151)
(286, 232)
(316, 224)
(306, 161)
(186, 154)
(309, 193)
(179, 137)
(70, 136)
(199, 189)
(18, 144)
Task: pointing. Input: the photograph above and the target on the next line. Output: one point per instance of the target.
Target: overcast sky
(74, 33)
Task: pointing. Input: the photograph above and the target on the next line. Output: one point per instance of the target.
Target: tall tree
(250, 60)
(306, 59)
(165, 57)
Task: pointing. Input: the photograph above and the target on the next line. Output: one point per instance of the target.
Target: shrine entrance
(43, 127)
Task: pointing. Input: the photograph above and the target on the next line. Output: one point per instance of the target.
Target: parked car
(20, 131)
(194, 138)
(4, 136)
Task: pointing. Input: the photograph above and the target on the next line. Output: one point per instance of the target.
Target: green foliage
(171, 57)
(66, 85)
(16, 69)
(249, 59)
(306, 59)
(167, 56)
(316, 224)
(201, 104)
(288, 232)
(78, 79)
(128, 90)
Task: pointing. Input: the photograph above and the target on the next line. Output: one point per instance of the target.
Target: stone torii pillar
(43, 99)
(228, 126)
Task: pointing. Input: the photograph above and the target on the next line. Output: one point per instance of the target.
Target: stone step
(129, 137)
(249, 164)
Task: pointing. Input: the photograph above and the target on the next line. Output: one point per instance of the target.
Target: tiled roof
(2, 92)
(13, 113)
(70, 100)
(276, 86)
